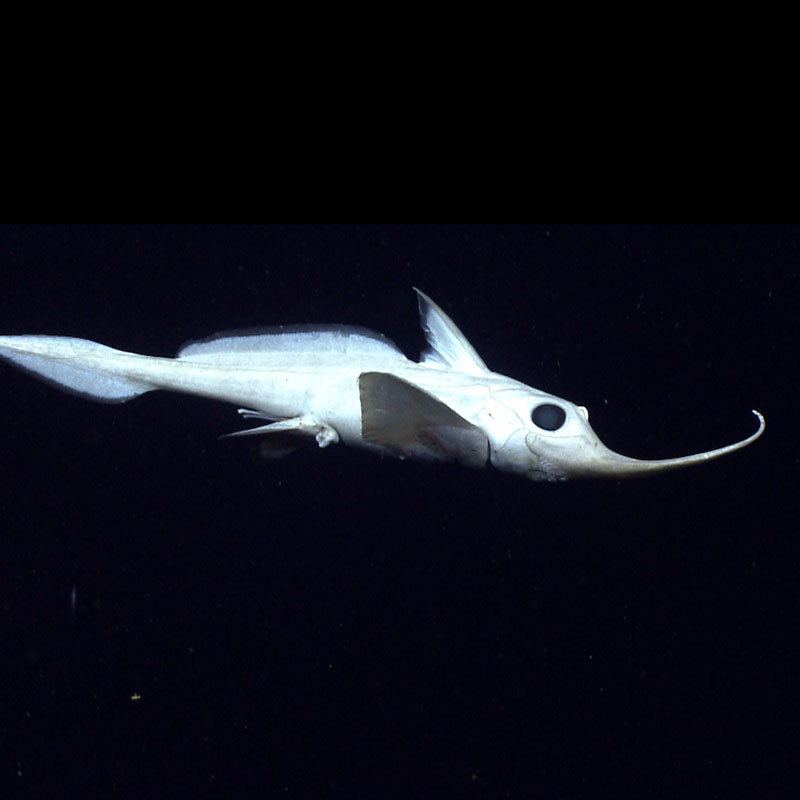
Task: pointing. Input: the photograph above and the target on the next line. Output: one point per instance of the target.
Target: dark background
(334, 624)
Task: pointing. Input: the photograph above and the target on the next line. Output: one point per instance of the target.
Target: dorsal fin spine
(446, 344)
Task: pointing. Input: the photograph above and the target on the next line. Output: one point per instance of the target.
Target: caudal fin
(76, 365)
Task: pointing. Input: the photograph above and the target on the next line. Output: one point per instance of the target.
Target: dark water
(181, 617)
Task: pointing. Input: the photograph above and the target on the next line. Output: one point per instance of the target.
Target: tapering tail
(75, 365)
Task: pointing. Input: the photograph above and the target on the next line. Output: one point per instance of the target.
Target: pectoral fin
(413, 424)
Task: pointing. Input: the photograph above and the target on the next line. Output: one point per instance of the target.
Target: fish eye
(549, 417)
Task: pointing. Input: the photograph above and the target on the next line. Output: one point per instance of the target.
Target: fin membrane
(345, 339)
(411, 423)
(446, 344)
(76, 365)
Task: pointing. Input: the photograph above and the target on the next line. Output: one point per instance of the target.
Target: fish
(338, 383)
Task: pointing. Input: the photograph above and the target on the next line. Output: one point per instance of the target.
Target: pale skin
(342, 384)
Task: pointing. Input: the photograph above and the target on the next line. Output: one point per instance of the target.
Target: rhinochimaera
(339, 383)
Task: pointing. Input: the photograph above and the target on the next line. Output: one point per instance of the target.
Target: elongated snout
(595, 460)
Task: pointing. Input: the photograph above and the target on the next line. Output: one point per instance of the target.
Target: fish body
(351, 385)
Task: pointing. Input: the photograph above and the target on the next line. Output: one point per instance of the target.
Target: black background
(334, 624)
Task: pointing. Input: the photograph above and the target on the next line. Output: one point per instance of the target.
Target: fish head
(547, 438)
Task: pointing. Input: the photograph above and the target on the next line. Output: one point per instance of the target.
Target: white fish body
(339, 383)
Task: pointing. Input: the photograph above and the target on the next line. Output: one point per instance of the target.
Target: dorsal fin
(347, 339)
(446, 344)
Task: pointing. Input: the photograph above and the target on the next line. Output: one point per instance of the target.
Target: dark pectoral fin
(413, 424)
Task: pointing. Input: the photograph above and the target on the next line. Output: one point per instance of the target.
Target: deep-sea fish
(339, 383)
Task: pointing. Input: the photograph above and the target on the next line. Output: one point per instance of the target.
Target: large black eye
(548, 417)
